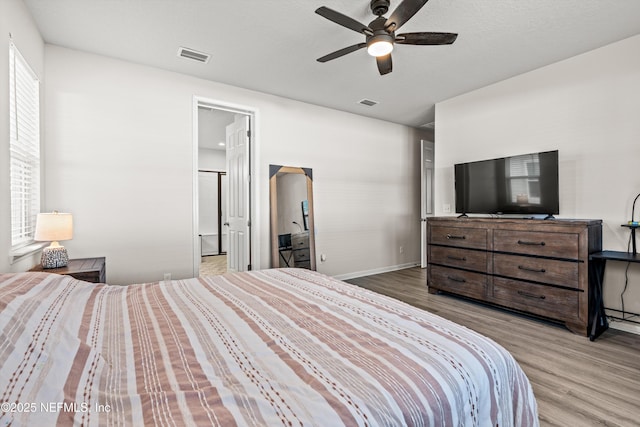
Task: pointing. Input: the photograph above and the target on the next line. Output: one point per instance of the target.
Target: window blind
(24, 148)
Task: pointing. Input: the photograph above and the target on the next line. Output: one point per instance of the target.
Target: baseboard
(356, 274)
(625, 326)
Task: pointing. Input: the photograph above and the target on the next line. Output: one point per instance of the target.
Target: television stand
(539, 268)
(550, 216)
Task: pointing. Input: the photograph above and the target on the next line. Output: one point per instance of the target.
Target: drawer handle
(533, 270)
(524, 242)
(456, 279)
(528, 295)
(453, 236)
(456, 258)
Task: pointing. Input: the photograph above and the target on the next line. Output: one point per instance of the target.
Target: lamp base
(54, 257)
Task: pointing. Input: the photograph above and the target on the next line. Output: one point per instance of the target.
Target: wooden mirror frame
(274, 170)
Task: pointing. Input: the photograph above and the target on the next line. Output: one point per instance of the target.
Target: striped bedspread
(283, 347)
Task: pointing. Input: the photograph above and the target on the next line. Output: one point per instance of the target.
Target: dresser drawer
(302, 264)
(555, 272)
(300, 241)
(561, 304)
(461, 258)
(460, 282)
(91, 276)
(461, 237)
(558, 245)
(301, 255)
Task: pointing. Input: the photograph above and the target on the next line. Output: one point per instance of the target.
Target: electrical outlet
(446, 208)
(167, 276)
(401, 249)
(323, 257)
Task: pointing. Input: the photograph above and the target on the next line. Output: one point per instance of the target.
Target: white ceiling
(212, 125)
(271, 45)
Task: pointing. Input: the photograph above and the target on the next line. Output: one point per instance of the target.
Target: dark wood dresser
(300, 250)
(87, 269)
(539, 267)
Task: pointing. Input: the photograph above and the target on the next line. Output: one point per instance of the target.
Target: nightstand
(87, 269)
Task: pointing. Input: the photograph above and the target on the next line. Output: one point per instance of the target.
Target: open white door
(426, 203)
(238, 195)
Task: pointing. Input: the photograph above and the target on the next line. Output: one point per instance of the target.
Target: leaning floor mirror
(291, 205)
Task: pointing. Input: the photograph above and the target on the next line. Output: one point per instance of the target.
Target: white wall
(16, 20)
(212, 160)
(587, 107)
(120, 158)
(211, 131)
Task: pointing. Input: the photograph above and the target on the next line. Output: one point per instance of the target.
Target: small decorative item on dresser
(53, 227)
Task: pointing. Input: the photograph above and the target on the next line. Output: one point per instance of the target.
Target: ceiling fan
(380, 33)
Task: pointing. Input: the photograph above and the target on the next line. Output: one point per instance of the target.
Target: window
(523, 179)
(24, 148)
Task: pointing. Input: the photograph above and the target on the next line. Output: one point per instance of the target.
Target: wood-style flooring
(213, 265)
(576, 382)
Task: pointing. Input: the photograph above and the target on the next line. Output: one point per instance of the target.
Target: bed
(279, 347)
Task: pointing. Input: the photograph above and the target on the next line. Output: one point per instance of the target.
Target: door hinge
(248, 134)
(249, 267)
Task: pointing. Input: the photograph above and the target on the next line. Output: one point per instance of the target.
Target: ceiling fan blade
(343, 20)
(384, 64)
(403, 13)
(426, 38)
(341, 52)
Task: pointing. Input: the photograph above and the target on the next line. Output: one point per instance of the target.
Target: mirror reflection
(291, 205)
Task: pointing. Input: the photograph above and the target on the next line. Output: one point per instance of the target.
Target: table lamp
(53, 227)
(633, 221)
(633, 225)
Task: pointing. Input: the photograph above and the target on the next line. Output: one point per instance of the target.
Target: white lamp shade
(52, 227)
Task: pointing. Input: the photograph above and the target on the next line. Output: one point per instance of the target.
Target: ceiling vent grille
(194, 55)
(367, 102)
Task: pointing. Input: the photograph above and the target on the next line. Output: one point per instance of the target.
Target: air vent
(367, 102)
(194, 55)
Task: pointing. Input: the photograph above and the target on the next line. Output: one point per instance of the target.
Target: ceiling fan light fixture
(381, 32)
(380, 45)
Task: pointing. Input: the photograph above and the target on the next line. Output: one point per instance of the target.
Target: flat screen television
(525, 184)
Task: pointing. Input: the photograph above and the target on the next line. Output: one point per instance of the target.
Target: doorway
(212, 200)
(222, 140)
(426, 193)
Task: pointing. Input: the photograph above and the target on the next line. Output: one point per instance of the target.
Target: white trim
(254, 124)
(24, 251)
(195, 267)
(388, 269)
(625, 326)
(25, 160)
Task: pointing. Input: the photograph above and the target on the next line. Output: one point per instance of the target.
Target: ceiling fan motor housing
(380, 32)
(379, 7)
